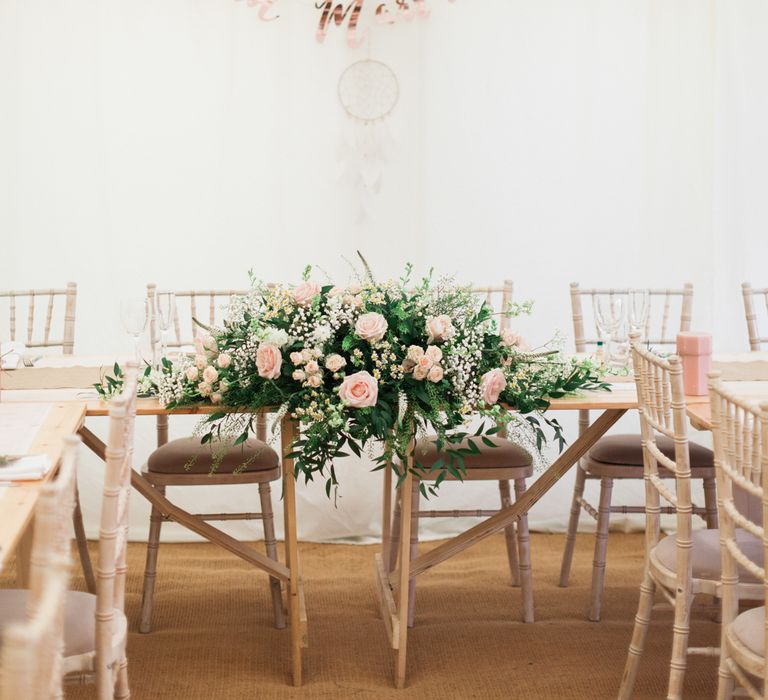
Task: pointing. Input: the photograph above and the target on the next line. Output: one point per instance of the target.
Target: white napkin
(11, 354)
(25, 468)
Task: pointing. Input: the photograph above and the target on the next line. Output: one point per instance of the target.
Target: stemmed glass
(165, 303)
(609, 314)
(639, 306)
(134, 314)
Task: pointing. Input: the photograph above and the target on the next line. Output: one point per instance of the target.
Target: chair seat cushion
(505, 454)
(189, 455)
(749, 629)
(79, 619)
(705, 553)
(627, 450)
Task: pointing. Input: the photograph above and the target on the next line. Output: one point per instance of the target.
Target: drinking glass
(165, 303)
(134, 314)
(609, 314)
(639, 307)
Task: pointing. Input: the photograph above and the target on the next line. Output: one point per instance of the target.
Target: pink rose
(268, 361)
(511, 339)
(434, 353)
(315, 380)
(359, 390)
(415, 353)
(223, 386)
(205, 343)
(435, 373)
(424, 362)
(307, 355)
(335, 362)
(224, 360)
(304, 293)
(204, 388)
(201, 361)
(335, 292)
(312, 367)
(439, 329)
(420, 373)
(210, 374)
(216, 398)
(355, 288)
(192, 374)
(492, 384)
(371, 327)
(299, 375)
(297, 358)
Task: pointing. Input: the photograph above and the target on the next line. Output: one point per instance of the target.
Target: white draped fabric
(184, 141)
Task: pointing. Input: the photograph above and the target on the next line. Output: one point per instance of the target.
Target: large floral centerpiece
(372, 364)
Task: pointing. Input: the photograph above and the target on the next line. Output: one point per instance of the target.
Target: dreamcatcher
(368, 92)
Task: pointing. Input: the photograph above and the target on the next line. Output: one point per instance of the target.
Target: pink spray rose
(210, 374)
(435, 373)
(335, 362)
(512, 339)
(439, 329)
(268, 361)
(359, 390)
(434, 353)
(224, 360)
(491, 385)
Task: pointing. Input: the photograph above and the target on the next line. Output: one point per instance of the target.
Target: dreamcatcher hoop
(368, 90)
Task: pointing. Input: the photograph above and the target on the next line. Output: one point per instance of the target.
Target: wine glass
(609, 312)
(639, 307)
(165, 303)
(134, 314)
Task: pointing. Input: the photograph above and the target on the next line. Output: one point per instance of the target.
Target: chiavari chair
(503, 463)
(621, 456)
(188, 462)
(750, 295)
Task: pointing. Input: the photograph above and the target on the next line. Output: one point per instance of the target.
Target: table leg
(404, 572)
(292, 550)
(24, 556)
(386, 512)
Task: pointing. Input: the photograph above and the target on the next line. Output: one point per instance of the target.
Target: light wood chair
(41, 337)
(97, 625)
(28, 305)
(620, 456)
(740, 431)
(756, 341)
(32, 622)
(685, 564)
(187, 462)
(504, 463)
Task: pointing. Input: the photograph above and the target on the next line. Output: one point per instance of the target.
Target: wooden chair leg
(573, 526)
(679, 659)
(150, 569)
(394, 538)
(639, 633)
(122, 691)
(524, 550)
(710, 502)
(270, 543)
(601, 547)
(509, 535)
(725, 681)
(415, 498)
(82, 545)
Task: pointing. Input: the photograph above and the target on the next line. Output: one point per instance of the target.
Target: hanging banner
(353, 17)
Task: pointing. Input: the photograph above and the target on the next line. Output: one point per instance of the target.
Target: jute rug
(213, 635)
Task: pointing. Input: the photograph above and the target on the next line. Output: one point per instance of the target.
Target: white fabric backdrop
(183, 142)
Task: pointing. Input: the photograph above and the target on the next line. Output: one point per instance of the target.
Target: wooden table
(18, 501)
(393, 587)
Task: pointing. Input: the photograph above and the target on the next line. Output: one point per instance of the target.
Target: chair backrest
(756, 341)
(23, 309)
(207, 306)
(113, 530)
(662, 322)
(740, 432)
(31, 651)
(661, 407)
(499, 299)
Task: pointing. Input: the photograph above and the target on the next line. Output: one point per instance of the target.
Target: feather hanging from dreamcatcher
(368, 92)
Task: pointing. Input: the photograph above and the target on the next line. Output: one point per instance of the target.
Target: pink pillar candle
(695, 350)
